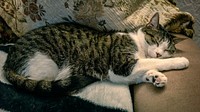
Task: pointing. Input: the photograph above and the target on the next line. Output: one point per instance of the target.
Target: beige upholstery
(182, 93)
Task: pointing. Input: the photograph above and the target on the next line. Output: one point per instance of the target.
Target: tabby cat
(65, 57)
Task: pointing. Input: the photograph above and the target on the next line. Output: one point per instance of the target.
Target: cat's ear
(154, 21)
(178, 38)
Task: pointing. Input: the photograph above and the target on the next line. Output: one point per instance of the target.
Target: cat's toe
(160, 81)
(157, 78)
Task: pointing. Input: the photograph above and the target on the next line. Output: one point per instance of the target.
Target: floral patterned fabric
(33, 10)
(25, 15)
(20, 16)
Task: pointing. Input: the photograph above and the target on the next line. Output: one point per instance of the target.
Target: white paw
(157, 78)
(180, 62)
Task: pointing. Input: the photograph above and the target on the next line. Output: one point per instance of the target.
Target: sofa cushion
(25, 15)
(182, 93)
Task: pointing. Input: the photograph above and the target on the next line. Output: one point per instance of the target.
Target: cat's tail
(67, 86)
(5, 47)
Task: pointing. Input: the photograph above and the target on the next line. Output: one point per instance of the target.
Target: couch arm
(182, 93)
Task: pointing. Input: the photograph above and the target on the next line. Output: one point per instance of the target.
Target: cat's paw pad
(181, 62)
(157, 78)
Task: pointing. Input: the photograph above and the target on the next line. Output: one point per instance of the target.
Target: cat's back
(60, 42)
(60, 29)
(57, 35)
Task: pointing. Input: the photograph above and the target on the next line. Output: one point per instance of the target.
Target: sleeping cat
(65, 57)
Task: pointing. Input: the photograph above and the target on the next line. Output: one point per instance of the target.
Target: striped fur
(84, 54)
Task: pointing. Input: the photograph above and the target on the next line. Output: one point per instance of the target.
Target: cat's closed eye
(166, 50)
(171, 51)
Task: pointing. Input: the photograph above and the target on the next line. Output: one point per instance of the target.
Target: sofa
(182, 93)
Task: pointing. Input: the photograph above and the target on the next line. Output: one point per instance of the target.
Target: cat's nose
(158, 55)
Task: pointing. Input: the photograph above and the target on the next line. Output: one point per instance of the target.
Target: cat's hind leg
(41, 67)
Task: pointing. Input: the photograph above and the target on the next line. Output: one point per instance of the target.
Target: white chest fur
(139, 38)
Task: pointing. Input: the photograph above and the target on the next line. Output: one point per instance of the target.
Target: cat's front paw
(180, 63)
(157, 78)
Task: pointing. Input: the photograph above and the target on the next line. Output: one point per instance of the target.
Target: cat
(66, 57)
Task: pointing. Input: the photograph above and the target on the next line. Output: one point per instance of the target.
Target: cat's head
(160, 43)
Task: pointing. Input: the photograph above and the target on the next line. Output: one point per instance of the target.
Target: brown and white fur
(85, 56)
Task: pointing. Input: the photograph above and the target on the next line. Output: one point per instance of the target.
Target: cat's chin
(161, 57)
(150, 56)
